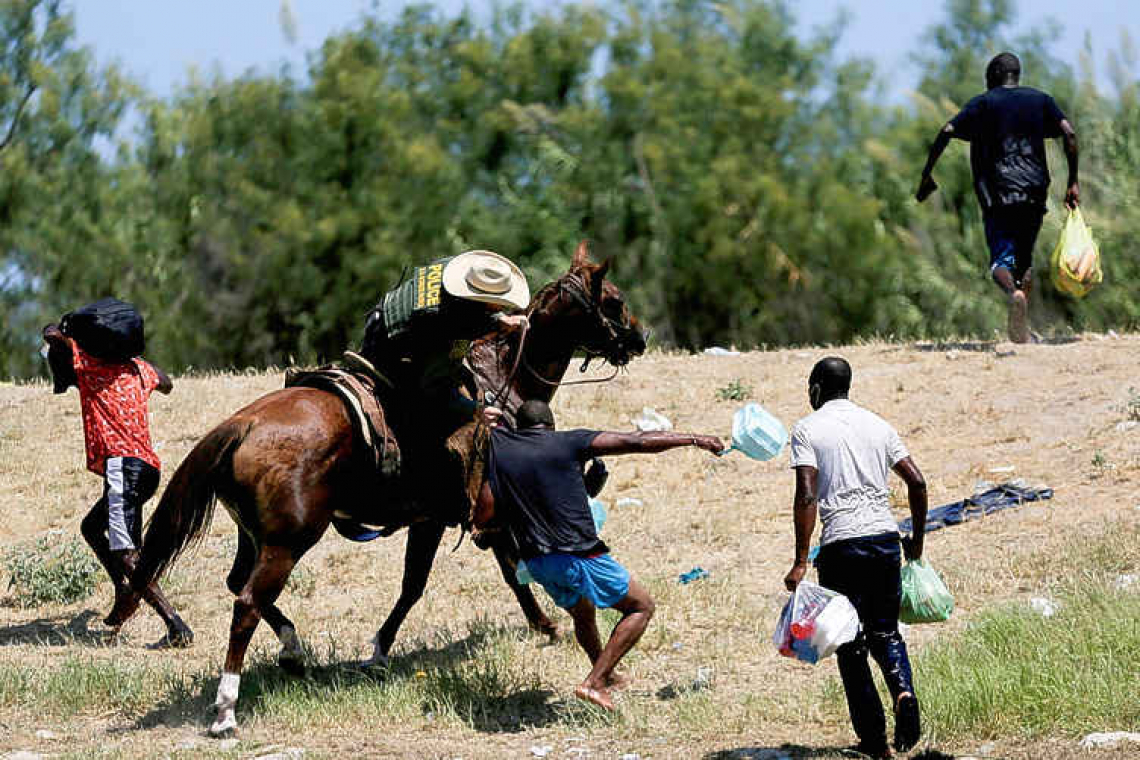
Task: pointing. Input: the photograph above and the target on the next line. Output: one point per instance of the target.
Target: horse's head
(599, 320)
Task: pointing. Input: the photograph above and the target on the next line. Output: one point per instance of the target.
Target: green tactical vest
(416, 297)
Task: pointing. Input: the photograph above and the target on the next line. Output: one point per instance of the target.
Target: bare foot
(1019, 317)
(599, 697)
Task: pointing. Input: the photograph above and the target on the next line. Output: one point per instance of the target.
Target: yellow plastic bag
(1075, 262)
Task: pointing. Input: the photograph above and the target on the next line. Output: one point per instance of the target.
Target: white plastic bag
(651, 420)
(814, 623)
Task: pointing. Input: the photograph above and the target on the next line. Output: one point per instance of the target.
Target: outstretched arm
(651, 443)
(165, 384)
(1069, 136)
(803, 515)
(926, 184)
(906, 469)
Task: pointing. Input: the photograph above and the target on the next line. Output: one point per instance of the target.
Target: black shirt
(1006, 128)
(536, 479)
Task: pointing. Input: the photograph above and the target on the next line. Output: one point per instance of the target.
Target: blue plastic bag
(756, 433)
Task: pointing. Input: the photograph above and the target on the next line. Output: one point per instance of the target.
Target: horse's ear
(581, 256)
(603, 268)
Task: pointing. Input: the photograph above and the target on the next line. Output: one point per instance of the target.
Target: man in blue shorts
(537, 487)
(1006, 127)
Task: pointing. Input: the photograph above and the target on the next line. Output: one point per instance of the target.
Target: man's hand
(492, 415)
(912, 548)
(926, 186)
(709, 443)
(512, 321)
(1073, 195)
(51, 333)
(795, 575)
(595, 477)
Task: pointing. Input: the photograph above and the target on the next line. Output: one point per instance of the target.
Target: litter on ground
(693, 575)
(651, 420)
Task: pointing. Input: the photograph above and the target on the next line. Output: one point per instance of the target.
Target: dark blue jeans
(866, 571)
(1011, 233)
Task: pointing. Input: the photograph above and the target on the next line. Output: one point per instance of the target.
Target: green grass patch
(1015, 672)
(1012, 672)
(50, 570)
(85, 686)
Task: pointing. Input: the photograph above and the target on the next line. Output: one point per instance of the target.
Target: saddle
(357, 383)
(360, 387)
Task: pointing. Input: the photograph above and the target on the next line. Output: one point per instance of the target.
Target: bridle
(572, 287)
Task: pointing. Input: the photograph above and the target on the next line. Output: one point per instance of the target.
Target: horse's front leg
(535, 617)
(419, 555)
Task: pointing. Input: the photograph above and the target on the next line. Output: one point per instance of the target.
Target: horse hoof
(291, 664)
(179, 638)
(376, 661)
(225, 725)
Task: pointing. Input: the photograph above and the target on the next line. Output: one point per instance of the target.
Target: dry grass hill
(469, 681)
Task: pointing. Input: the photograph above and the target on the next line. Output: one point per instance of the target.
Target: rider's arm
(605, 444)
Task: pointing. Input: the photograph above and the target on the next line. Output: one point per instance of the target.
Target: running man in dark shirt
(1006, 127)
(536, 483)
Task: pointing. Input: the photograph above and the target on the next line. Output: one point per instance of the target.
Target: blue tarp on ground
(995, 499)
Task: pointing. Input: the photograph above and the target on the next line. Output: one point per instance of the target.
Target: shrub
(737, 390)
(50, 569)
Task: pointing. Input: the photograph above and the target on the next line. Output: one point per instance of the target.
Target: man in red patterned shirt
(113, 398)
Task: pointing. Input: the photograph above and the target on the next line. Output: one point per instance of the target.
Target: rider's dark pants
(866, 571)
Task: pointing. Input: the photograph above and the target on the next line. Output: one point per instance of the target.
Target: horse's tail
(187, 504)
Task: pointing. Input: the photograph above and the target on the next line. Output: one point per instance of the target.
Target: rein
(560, 383)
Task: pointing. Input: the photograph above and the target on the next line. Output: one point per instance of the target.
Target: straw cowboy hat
(486, 277)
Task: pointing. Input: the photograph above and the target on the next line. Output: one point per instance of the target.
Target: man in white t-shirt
(843, 455)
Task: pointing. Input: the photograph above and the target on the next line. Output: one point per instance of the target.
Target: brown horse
(285, 464)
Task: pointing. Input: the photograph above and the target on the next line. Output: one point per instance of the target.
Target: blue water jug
(757, 433)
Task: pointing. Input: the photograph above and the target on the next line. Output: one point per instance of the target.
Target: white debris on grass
(291, 753)
(540, 750)
(1124, 427)
(225, 745)
(631, 756)
(1047, 607)
(628, 501)
(43, 733)
(1125, 580)
(651, 420)
(719, 351)
(1110, 739)
(23, 754)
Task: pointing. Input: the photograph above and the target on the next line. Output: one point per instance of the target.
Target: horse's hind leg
(292, 654)
(266, 580)
(535, 617)
(419, 554)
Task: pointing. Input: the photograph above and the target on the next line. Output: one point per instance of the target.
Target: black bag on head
(108, 329)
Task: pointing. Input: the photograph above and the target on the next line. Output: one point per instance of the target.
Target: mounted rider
(419, 333)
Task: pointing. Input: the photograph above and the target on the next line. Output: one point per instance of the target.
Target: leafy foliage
(752, 185)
